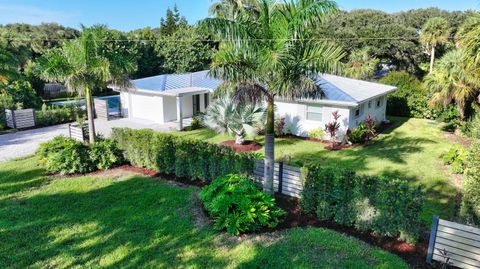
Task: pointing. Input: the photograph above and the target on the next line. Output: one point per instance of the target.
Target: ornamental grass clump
(237, 205)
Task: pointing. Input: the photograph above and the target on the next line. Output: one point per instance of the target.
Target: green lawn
(409, 149)
(129, 221)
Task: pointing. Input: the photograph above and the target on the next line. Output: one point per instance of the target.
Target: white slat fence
(454, 244)
(287, 179)
(20, 118)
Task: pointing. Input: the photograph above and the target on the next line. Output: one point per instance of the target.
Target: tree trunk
(269, 148)
(90, 116)
(432, 58)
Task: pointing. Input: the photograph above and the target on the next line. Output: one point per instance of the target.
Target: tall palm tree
(435, 32)
(267, 51)
(469, 40)
(452, 81)
(84, 64)
(229, 8)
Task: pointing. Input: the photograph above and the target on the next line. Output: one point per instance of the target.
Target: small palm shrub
(357, 135)
(238, 206)
(105, 154)
(225, 116)
(388, 207)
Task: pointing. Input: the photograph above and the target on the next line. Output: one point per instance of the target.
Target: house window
(314, 113)
(196, 104)
(379, 102)
(370, 104)
(206, 100)
(359, 111)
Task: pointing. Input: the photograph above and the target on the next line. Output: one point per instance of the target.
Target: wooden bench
(454, 243)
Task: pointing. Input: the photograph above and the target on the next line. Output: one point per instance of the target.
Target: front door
(196, 104)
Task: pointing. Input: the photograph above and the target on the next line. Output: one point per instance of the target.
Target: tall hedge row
(180, 156)
(385, 206)
(470, 208)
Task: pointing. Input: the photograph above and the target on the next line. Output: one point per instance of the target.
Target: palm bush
(225, 116)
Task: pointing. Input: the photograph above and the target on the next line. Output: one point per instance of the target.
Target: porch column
(179, 113)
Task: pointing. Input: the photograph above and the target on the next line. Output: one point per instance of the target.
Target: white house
(173, 97)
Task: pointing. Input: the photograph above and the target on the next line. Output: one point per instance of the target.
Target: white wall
(169, 108)
(124, 104)
(143, 106)
(377, 112)
(296, 117)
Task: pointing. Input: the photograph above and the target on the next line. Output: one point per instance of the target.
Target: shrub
(105, 154)
(455, 157)
(317, 133)
(470, 207)
(238, 206)
(410, 100)
(57, 115)
(65, 156)
(357, 135)
(279, 126)
(183, 157)
(385, 206)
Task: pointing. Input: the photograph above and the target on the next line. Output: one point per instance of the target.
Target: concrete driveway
(24, 143)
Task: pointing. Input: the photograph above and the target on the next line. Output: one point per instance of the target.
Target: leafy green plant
(456, 157)
(183, 157)
(388, 207)
(470, 207)
(65, 156)
(105, 154)
(239, 206)
(357, 135)
(57, 115)
(317, 133)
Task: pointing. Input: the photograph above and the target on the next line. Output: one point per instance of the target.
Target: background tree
(172, 22)
(361, 65)
(186, 50)
(86, 63)
(268, 52)
(149, 61)
(436, 31)
(8, 65)
(452, 81)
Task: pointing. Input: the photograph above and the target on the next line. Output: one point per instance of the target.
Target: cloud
(32, 15)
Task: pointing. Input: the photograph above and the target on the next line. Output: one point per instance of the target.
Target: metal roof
(336, 88)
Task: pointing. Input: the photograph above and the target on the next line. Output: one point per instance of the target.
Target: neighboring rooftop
(336, 88)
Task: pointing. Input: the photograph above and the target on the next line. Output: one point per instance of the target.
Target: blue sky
(130, 14)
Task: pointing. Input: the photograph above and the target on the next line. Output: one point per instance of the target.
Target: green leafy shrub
(410, 100)
(183, 157)
(317, 133)
(470, 207)
(238, 206)
(105, 154)
(455, 157)
(57, 115)
(68, 156)
(384, 206)
(357, 135)
(65, 156)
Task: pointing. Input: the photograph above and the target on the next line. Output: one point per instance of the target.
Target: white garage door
(147, 107)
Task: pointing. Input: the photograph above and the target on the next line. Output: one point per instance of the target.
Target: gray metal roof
(336, 88)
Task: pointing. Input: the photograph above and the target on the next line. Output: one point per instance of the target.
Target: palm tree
(361, 65)
(469, 40)
(224, 116)
(229, 8)
(267, 51)
(452, 81)
(84, 64)
(435, 32)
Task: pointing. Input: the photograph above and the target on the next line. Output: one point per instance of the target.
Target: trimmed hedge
(183, 157)
(384, 206)
(57, 115)
(470, 207)
(239, 206)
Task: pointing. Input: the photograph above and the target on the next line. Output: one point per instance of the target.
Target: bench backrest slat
(457, 242)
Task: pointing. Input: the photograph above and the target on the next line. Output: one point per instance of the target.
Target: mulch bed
(414, 255)
(247, 146)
